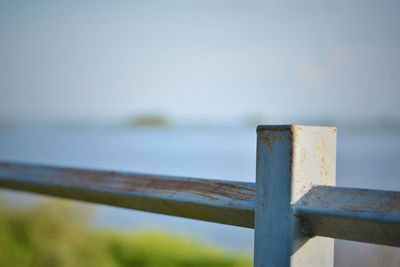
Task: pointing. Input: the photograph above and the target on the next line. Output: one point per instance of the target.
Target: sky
(282, 60)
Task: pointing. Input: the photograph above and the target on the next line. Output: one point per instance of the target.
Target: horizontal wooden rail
(354, 214)
(209, 200)
(364, 215)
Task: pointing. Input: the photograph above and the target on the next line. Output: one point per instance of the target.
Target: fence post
(290, 160)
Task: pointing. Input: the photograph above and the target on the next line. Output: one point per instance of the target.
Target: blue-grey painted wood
(209, 200)
(290, 160)
(364, 215)
(273, 220)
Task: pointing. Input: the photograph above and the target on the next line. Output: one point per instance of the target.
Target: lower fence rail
(293, 206)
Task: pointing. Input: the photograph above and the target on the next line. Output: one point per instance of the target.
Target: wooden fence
(294, 207)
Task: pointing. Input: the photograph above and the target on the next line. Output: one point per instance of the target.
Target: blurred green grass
(58, 233)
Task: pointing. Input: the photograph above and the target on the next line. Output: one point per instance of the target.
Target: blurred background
(177, 87)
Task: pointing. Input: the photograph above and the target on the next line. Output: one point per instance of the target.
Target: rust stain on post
(270, 135)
